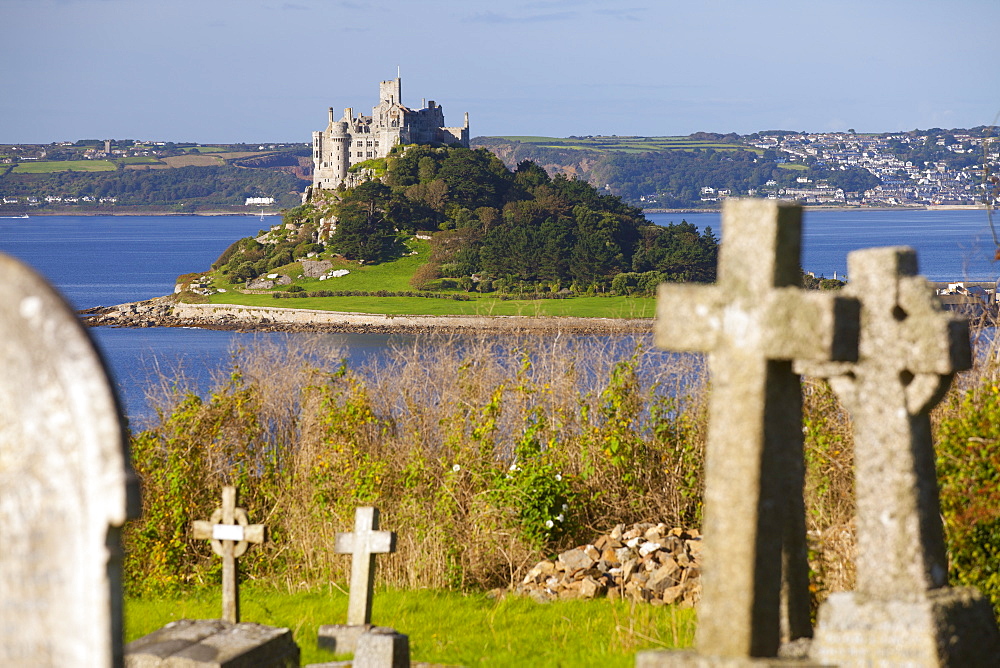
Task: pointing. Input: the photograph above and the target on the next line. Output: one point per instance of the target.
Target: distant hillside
(667, 172)
(127, 176)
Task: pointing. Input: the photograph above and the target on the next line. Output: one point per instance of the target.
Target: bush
(484, 457)
(968, 465)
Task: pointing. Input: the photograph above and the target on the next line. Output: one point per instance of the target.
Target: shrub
(968, 465)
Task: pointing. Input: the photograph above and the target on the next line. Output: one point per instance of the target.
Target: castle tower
(331, 149)
(391, 91)
(351, 140)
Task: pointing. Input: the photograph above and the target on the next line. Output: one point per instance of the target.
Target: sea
(105, 260)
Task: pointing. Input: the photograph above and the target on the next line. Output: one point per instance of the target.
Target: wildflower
(565, 507)
(549, 524)
(560, 518)
(558, 477)
(513, 467)
(456, 468)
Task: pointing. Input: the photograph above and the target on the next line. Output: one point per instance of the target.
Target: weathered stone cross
(363, 544)
(231, 534)
(909, 350)
(753, 323)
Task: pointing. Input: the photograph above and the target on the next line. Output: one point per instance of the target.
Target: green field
(627, 144)
(142, 160)
(485, 305)
(449, 628)
(395, 277)
(53, 166)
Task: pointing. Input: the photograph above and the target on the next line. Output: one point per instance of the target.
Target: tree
(365, 232)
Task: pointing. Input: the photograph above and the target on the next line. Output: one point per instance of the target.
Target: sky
(222, 71)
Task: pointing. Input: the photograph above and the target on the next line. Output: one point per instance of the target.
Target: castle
(355, 139)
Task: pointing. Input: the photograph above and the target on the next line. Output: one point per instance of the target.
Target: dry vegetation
(484, 454)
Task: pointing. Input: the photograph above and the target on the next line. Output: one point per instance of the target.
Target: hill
(490, 230)
(663, 172)
(130, 177)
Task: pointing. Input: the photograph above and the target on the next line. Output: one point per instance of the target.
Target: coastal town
(956, 175)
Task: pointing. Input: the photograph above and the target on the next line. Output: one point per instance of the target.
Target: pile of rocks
(645, 562)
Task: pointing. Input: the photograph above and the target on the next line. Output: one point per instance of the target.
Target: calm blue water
(101, 260)
(951, 245)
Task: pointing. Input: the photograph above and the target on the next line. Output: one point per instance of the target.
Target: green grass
(580, 307)
(52, 166)
(628, 144)
(142, 160)
(449, 627)
(794, 166)
(395, 277)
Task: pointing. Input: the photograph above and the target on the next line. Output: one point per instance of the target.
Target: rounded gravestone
(64, 483)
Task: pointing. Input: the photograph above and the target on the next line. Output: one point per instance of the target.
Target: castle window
(360, 143)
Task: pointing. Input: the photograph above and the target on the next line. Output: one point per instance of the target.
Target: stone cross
(909, 350)
(363, 544)
(231, 534)
(753, 323)
(66, 484)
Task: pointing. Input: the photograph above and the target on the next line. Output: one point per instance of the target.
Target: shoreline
(167, 312)
(806, 207)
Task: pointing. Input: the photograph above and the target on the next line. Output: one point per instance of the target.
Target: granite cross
(909, 350)
(753, 323)
(363, 544)
(231, 534)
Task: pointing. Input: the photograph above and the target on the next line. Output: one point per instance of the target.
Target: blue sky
(266, 70)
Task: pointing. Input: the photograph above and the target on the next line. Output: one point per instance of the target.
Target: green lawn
(628, 144)
(52, 166)
(449, 627)
(395, 277)
(581, 307)
(142, 160)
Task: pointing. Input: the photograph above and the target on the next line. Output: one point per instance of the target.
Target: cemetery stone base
(947, 627)
(214, 643)
(691, 659)
(359, 639)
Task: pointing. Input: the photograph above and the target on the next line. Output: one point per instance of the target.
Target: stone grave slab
(753, 323)
(66, 484)
(213, 643)
(902, 612)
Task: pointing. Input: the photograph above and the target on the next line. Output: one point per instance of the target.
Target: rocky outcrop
(315, 268)
(157, 312)
(645, 562)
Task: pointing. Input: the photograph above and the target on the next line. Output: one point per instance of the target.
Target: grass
(395, 277)
(53, 166)
(193, 161)
(794, 166)
(449, 627)
(580, 307)
(628, 144)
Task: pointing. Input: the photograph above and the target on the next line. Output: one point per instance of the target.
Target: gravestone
(213, 643)
(753, 323)
(362, 544)
(66, 486)
(231, 534)
(226, 642)
(902, 612)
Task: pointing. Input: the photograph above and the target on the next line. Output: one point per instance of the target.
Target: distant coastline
(167, 312)
(806, 207)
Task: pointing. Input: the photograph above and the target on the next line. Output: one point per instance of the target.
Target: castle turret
(353, 140)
